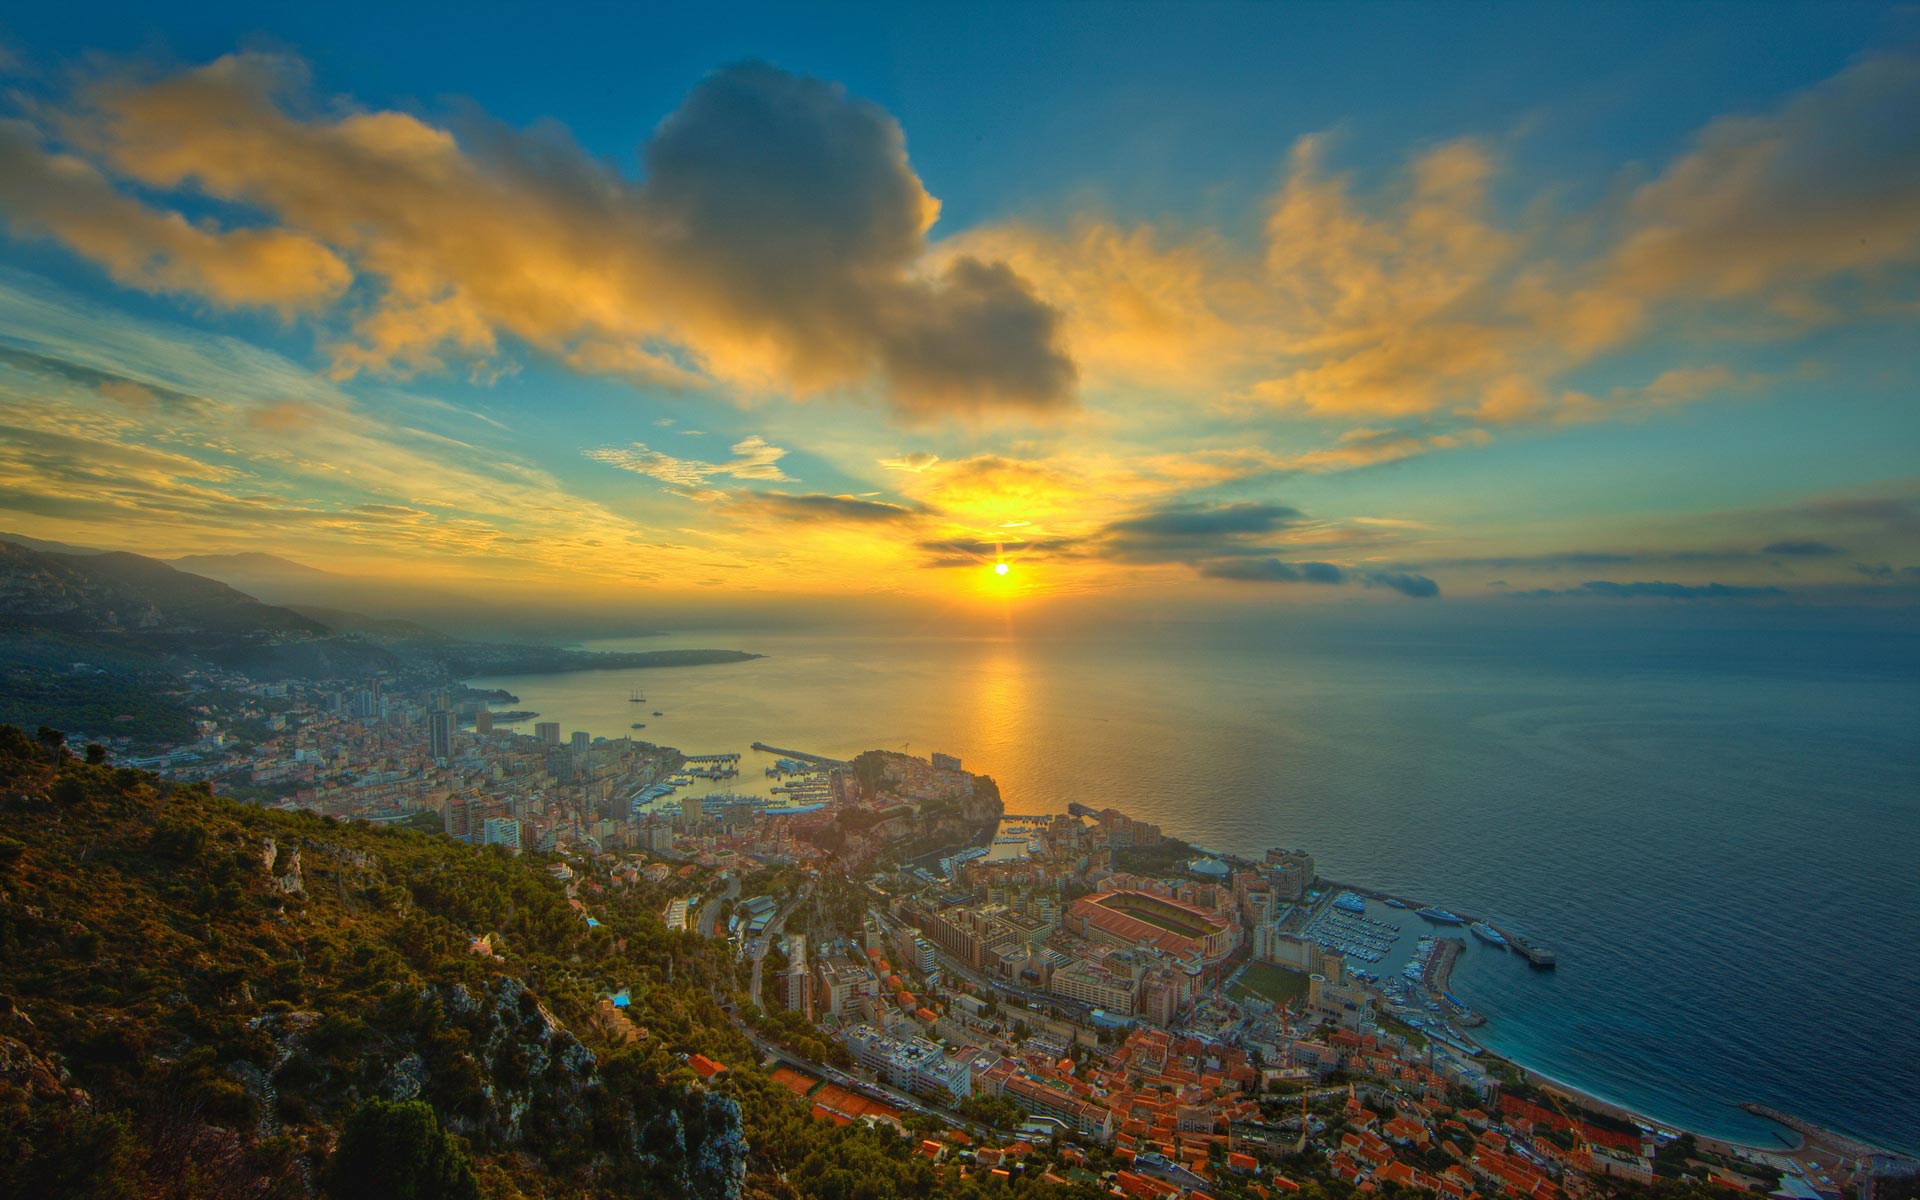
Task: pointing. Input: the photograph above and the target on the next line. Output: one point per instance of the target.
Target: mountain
(199, 994)
(204, 998)
(99, 641)
(248, 563)
(129, 606)
(33, 543)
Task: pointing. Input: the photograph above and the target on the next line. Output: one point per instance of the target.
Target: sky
(1213, 304)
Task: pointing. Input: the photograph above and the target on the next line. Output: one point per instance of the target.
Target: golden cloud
(775, 244)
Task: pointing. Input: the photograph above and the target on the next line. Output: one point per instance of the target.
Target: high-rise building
(548, 732)
(796, 983)
(581, 740)
(456, 818)
(483, 722)
(1291, 872)
(440, 734)
(501, 831)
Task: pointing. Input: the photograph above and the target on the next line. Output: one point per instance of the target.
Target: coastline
(1817, 1149)
(1614, 1108)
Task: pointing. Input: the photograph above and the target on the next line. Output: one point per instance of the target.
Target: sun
(999, 568)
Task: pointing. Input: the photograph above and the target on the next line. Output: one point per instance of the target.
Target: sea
(1714, 820)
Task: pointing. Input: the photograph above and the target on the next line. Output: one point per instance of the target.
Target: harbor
(1492, 933)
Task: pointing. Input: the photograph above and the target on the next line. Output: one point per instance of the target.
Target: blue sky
(1384, 290)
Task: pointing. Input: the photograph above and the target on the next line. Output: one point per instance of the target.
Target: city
(1075, 993)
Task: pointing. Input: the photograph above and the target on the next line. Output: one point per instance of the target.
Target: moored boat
(1488, 934)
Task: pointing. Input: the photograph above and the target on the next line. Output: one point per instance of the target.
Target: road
(708, 922)
(760, 944)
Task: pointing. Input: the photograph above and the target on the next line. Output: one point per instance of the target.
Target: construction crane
(1580, 1142)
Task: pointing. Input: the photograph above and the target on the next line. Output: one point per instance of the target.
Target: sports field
(1159, 913)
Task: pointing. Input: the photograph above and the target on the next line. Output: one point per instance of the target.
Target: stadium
(1129, 918)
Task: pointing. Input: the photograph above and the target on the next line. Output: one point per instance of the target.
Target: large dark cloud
(819, 508)
(1273, 570)
(1417, 586)
(1572, 559)
(796, 203)
(1804, 549)
(1195, 532)
(1241, 543)
(1652, 589)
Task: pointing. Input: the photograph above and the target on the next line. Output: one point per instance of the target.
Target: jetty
(1534, 952)
(818, 760)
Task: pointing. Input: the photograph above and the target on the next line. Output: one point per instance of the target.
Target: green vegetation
(1162, 859)
(996, 1112)
(174, 1024)
(1395, 1025)
(109, 705)
(393, 1151)
(1275, 984)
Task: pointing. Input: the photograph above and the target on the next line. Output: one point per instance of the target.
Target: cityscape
(1077, 997)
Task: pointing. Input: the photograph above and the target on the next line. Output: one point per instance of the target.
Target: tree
(392, 1151)
(96, 753)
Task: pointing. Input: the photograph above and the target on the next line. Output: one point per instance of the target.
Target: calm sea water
(1718, 829)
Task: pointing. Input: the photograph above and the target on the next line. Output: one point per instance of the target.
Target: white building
(916, 1064)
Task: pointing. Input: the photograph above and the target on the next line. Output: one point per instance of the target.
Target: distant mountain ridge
(116, 594)
(117, 627)
(246, 562)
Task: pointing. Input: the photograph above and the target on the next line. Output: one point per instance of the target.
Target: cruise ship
(1348, 902)
(1441, 916)
(1488, 934)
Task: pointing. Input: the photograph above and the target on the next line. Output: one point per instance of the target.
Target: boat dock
(818, 760)
(1534, 952)
(1439, 969)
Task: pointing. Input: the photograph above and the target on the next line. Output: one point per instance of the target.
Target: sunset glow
(1336, 354)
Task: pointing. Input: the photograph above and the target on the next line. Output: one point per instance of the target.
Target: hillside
(199, 994)
(86, 636)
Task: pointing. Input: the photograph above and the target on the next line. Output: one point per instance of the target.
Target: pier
(818, 760)
(712, 758)
(1534, 952)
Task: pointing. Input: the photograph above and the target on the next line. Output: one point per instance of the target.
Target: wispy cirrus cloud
(753, 458)
(915, 461)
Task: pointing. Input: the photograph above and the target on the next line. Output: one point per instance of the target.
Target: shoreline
(1795, 1144)
(1614, 1108)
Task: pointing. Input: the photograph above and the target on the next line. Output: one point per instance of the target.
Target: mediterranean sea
(1717, 829)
